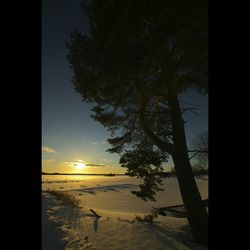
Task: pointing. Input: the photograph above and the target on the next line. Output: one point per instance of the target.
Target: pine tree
(136, 60)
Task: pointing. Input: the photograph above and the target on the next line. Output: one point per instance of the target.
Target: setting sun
(79, 165)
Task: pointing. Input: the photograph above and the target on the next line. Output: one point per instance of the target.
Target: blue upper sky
(66, 124)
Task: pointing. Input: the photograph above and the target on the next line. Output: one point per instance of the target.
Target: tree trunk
(196, 211)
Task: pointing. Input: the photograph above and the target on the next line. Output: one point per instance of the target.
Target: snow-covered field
(65, 227)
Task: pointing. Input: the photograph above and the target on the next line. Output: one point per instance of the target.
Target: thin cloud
(66, 163)
(96, 142)
(48, 161)
(94, 165)
(47, 149)
(74, 163)
(79, 160)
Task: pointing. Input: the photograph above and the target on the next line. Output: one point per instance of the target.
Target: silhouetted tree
(136, 60)
(201, 144)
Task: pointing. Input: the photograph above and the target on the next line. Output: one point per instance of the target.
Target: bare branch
(97, 215)
(198, 151)
(189, 109)
(193, 155)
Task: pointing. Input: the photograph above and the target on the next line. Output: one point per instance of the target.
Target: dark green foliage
(145, 164)
(155, 43)
(162, 40)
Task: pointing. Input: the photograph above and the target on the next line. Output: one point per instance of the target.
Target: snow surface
(70, 228)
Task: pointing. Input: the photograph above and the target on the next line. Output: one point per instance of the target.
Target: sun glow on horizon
(79, 165)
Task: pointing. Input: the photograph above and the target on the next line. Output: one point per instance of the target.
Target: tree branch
(196, 152)
(193, 156)
(189, 109)
(165, 146)
(97, 215)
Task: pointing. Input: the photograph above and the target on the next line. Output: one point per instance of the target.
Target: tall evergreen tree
(136, 60)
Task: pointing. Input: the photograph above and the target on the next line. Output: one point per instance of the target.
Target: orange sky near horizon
(52, 165)
(78, 166)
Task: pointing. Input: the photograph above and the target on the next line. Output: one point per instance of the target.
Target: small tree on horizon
(200, 143)
(138, 57)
